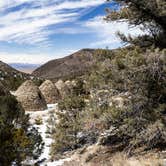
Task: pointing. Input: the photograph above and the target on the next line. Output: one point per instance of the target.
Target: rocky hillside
(5, 67)
(67, 67)
(119, 106)
(10, 77)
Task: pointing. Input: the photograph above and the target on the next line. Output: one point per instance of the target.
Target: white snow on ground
(45, 156)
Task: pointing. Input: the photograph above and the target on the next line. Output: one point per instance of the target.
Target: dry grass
(121, 160)
(101, 156)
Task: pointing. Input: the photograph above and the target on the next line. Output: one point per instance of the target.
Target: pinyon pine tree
(150, 14)
(18, 140)
(69, 117)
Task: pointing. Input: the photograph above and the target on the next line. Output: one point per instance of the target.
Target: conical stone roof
(62, 87)
(30, 97)
(59, 84)
(50, 92)
(70, 84)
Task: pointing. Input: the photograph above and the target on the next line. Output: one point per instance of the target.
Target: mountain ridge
(11, 77)
(70, 66)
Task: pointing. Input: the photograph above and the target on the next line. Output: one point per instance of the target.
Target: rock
(120, 101)
(108, 137)
(87, 138)
(30, 97)
(50, 92)
(101, 97)
(70, 84)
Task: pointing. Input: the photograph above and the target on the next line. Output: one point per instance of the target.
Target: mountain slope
(67, 67)
(10, 77)
(5, 67)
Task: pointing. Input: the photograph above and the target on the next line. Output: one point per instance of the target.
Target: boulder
(122, 100)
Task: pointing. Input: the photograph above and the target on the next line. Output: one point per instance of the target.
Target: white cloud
(37, 22)
(33, 58)
(31, 24)
(24, 58)
(106, 32)
(34, 30)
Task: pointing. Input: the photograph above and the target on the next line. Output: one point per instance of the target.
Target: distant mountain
(25, 67)
(10, 77)
(68, 67)
(4, 67)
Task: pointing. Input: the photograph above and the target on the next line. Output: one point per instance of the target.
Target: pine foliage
(18, 140)
(150, 14)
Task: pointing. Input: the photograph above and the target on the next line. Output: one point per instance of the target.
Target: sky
(36, 31)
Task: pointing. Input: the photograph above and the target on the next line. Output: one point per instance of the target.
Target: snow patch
(44, 159)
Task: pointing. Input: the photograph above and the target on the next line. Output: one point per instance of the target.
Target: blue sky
(35, 31)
